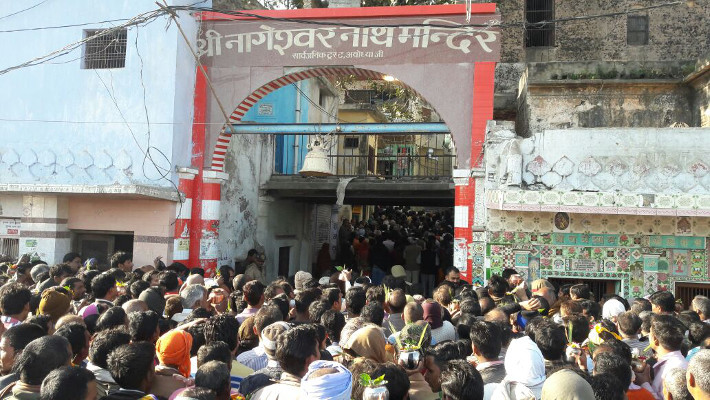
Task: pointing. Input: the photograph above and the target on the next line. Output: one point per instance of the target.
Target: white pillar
(44, 233)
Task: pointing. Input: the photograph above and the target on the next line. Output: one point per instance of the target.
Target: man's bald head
(195, 279)
(413, 312)
(496, 315)
(134, 305)
(397, 300)
(548, 294)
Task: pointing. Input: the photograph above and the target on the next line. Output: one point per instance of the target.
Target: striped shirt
(255, 358)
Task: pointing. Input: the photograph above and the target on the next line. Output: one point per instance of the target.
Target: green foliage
(369, 382)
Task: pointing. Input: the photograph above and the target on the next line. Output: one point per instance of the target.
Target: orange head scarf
(173, 349)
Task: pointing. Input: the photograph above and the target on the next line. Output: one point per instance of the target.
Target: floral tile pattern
(645, 252)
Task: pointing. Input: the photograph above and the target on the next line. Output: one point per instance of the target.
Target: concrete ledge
(116, 190)
(403, 191)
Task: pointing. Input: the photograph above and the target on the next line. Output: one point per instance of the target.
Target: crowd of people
(81, 330)
(420, 241)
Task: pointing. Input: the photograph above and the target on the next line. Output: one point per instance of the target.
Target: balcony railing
(384, 156)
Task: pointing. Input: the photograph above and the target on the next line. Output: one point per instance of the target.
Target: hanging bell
(316, 162)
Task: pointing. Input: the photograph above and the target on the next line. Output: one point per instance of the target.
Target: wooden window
(636, 30)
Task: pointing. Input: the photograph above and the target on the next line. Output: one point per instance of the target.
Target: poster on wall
(585, 265)
(460, 254)
(9, 227)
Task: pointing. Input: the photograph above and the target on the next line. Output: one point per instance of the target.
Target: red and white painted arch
(222, 145)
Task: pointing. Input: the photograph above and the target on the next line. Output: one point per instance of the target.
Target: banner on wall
(9, 227)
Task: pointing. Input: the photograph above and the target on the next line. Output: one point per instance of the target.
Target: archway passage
(448, 61)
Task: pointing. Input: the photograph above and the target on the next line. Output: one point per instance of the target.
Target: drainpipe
(297, 138)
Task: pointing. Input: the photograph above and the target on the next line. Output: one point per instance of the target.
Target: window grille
(10, 247)
(636, 30)
(687, 291)
(539, 35)
(105, 51)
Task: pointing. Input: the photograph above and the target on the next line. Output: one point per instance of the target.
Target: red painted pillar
(198, 161)
(465, 187)
(204, 224)
(183, 215)
(209, 220)
(464, 190)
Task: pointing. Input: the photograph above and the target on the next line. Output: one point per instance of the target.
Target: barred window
(636, 30)
(105, 51)
(540, 34)
(351, 142)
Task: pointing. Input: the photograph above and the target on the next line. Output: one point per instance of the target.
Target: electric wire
(486, 25)
(23, 10)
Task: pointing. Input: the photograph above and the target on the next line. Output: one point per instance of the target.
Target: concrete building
(92, 139)
(584, 178)
(620, 70)
(629, 206)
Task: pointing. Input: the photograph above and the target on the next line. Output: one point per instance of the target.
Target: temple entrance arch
(224, 139)
(446, 60)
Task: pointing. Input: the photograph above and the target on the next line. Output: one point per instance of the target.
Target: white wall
(633, 160)
(101, 150)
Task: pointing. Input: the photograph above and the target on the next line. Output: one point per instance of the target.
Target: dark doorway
(284, 260)
(101, 244)
(687, 291)
(598, 287)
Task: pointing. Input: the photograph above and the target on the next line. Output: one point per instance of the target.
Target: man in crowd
(296, 349)
(666, 339)
(697, 377)
(57, 273)
(256, 358)
(69, 383)
(193, 297)
(255, 269)
(461, 381)
(103, 287)
(14, 304)
(12, 343)
(486, 342)
(701, 305)
(122, 261)
(396, 301)
(38, 359)
(254, 296)
(132, 367)
(214, 375)
(225, 328)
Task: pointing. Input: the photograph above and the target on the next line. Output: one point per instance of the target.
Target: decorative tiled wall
(522, 221)
(645, 253)
(676, 204)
